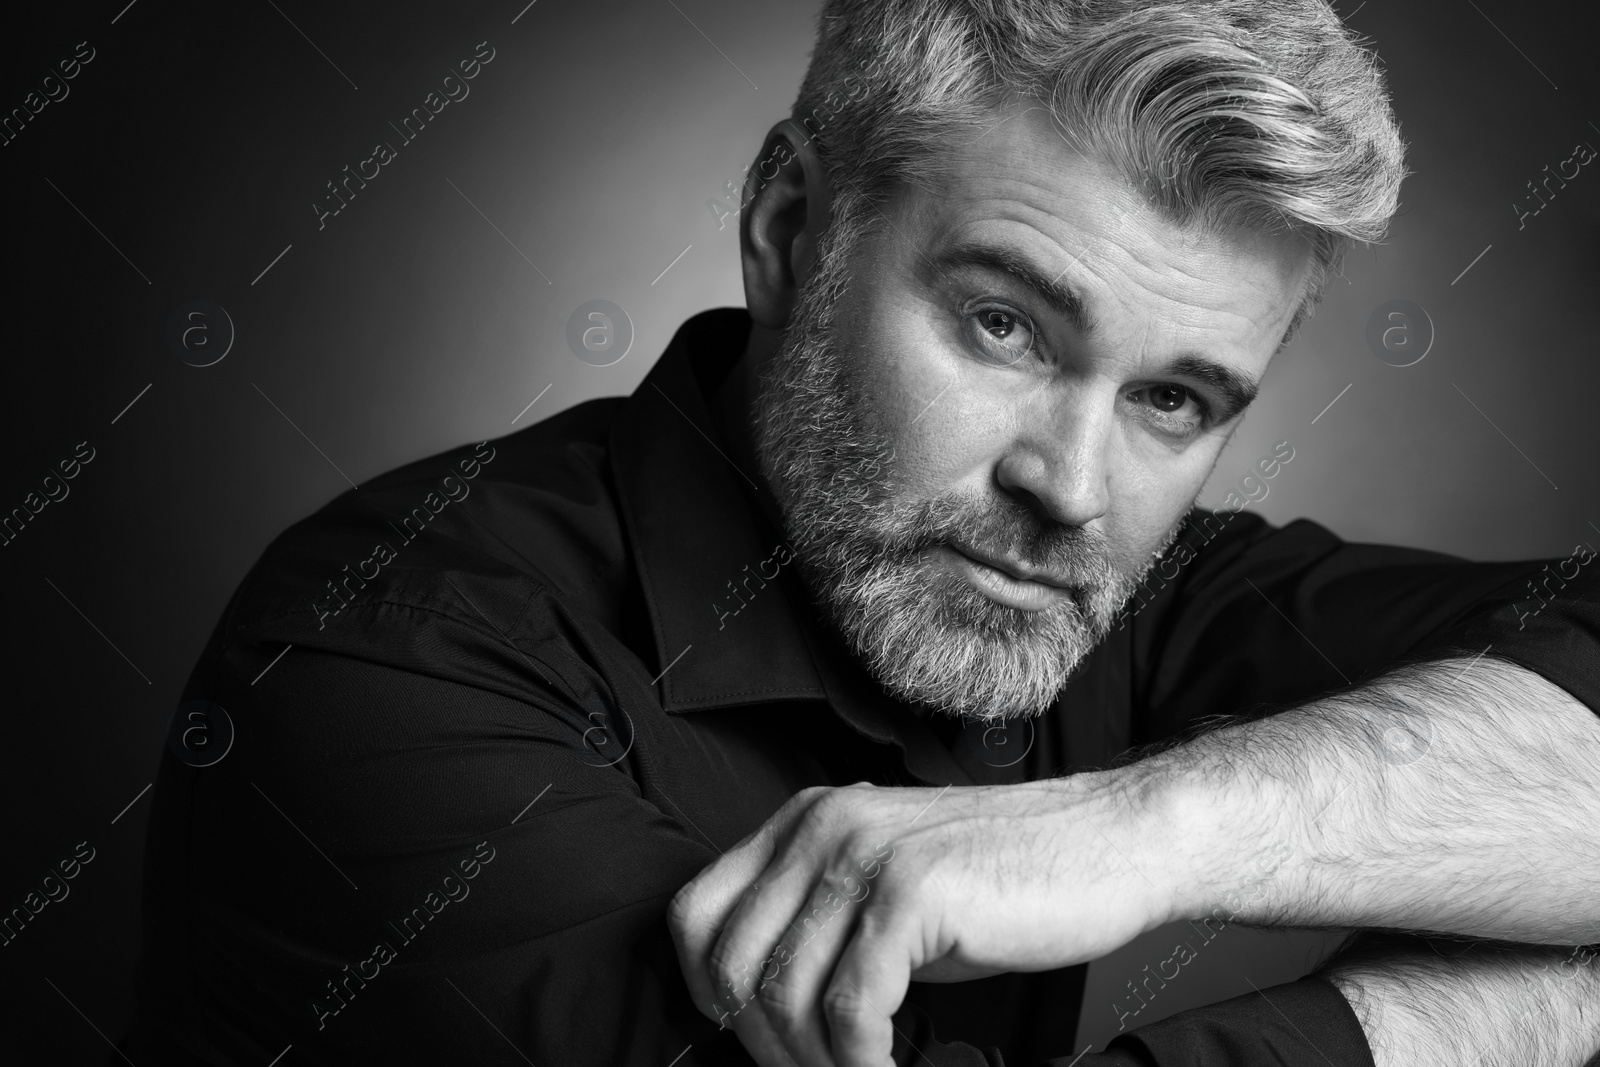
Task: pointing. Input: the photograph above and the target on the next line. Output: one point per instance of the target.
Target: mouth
(1004, 581)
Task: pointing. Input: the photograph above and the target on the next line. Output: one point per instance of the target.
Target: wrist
(1223, 831)
(1165, 826)
(1111, 823)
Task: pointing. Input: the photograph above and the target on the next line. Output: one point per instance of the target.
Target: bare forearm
(1452, 1002)
(1459, 797)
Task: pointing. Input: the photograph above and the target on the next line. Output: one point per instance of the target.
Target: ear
(788, 196)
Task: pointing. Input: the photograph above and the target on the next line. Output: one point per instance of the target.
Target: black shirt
(492, 709)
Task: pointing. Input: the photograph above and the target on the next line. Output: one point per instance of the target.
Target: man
(1005, 306)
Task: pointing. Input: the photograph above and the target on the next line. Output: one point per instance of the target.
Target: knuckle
(720, 963)
(828, 799)
(784, 1005)
(799, 809)
(846, 1010)
(684, 910)
(845, 877)
(855, 843)
(730, 975)
(834, 809)
(810, 795)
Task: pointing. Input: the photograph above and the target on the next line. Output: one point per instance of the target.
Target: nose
(1059, 461)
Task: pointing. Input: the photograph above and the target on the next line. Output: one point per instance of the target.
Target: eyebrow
(1060, 297)
(1237, 390)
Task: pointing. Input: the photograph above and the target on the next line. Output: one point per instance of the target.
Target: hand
(804, 936)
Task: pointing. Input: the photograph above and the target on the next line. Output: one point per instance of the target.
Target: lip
(1011, 569)
(1003, 580)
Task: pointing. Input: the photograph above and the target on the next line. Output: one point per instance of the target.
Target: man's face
(989, 416)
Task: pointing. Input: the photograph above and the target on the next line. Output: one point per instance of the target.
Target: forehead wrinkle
(1104, 193)
(1121, 237)
(1013, 198)
(1001, 213)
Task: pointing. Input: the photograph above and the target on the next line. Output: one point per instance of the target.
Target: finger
(755, 1033)
(792, 999)
(868, 986)
(701, 908)
(753, 933)
(748, 1016)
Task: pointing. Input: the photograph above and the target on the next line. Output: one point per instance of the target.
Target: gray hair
(1267, 114)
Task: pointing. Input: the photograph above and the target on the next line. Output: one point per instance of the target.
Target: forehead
(1020, 185)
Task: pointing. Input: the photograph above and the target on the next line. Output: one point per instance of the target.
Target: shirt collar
(732, 621)
(724, 607)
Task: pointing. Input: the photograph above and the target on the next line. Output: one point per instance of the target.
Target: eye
(1168, 398)
(1002, 333)
(1173, 408)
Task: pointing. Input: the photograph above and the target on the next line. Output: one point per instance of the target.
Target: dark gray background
(197, 140)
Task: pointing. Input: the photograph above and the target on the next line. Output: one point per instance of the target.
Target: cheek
(1150, 494)
(948, 420)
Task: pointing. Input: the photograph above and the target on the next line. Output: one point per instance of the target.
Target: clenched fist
(804, 937)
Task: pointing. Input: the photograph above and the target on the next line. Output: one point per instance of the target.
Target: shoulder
(1223, 540)
(467, 547)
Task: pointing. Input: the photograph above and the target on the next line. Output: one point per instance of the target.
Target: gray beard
(925, 634)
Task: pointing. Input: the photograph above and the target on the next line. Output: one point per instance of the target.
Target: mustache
(1011, 530)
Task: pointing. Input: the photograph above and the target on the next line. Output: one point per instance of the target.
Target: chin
(931, 639)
